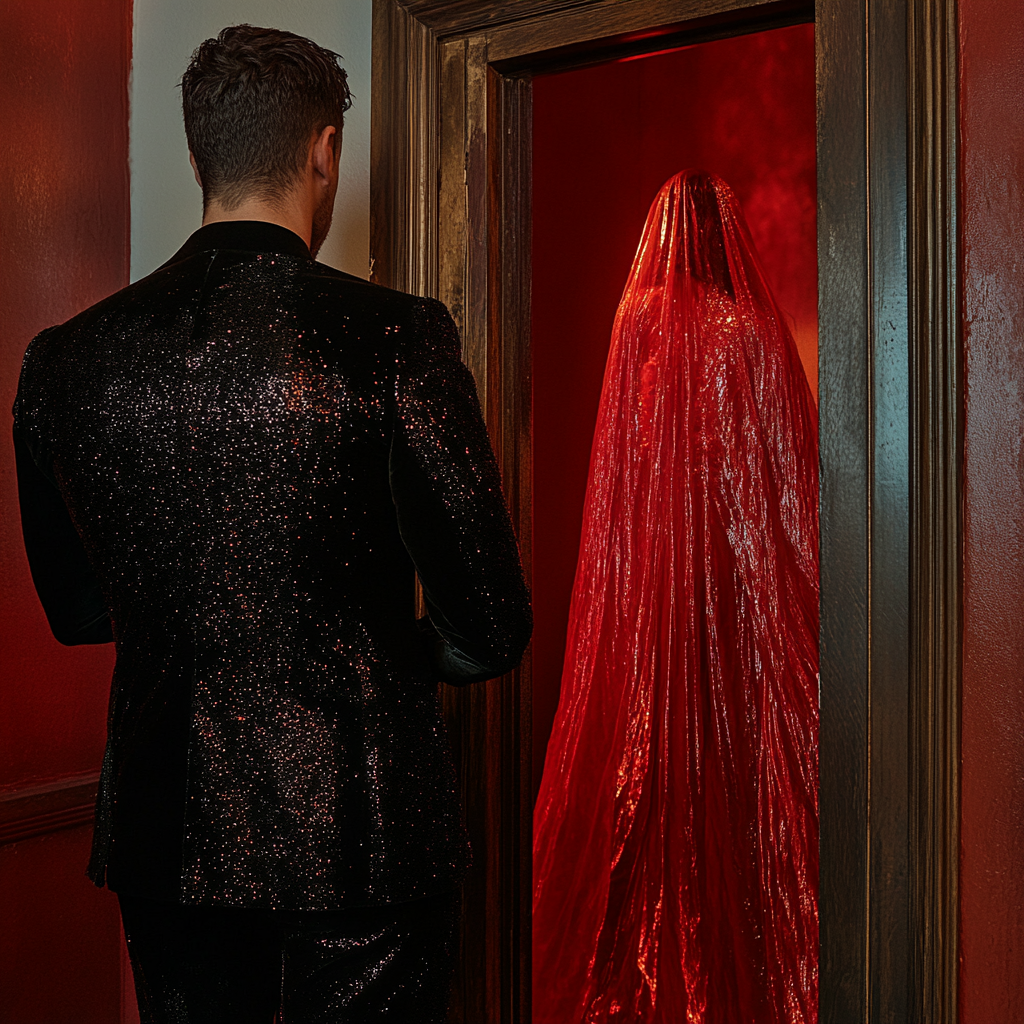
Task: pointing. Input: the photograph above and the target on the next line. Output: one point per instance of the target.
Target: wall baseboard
(37, 810)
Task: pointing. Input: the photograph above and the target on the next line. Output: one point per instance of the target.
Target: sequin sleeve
(451, 512)
(64, 580)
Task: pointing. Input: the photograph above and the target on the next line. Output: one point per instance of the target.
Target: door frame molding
(450, 218)
(936, 496)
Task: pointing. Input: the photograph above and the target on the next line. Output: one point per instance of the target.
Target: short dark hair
(252, 98)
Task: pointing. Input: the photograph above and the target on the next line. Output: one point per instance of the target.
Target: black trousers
(224, 965)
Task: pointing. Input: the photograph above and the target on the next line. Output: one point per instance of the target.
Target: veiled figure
(676, 830)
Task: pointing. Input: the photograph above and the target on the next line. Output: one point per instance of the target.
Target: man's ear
(326, 151)
(195, 169)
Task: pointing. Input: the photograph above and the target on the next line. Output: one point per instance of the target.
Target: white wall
(166, 202)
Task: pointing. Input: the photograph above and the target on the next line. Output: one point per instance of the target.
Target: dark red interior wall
(992, 226)
(605, 140)
(64, 238)
(64, 211)
(60, 939)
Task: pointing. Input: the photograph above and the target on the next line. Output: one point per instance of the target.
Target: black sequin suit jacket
(233, 468)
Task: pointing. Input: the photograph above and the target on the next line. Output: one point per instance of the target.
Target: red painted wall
(605, 140)
(64, 211)
(61, 936)
(992, 235)
(64, 239)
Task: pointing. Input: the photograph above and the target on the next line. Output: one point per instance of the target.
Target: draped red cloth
(676, 830)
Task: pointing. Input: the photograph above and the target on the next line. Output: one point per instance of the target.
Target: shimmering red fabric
(676, 830)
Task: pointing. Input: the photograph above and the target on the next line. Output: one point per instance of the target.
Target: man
(233, 468)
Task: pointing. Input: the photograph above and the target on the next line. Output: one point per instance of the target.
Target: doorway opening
(605, 139)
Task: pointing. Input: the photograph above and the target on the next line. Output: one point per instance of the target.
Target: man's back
(258, 452)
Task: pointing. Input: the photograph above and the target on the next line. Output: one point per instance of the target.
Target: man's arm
(451, 512)
(65, 582)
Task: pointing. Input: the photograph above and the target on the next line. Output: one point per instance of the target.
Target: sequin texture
(258, 453)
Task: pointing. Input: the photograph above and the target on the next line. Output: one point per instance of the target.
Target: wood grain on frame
(936, 367)
(844, 502)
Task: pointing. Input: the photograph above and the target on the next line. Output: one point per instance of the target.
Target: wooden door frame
(450, 217)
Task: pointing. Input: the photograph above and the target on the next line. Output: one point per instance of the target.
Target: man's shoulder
(155, 304)
(152, 297)
(352, 289)
(398, 315)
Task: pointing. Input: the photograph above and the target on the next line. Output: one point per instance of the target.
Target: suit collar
(244, 236)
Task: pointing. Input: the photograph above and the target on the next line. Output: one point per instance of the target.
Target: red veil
(676, 830)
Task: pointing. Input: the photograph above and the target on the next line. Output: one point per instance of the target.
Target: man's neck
(290, 215)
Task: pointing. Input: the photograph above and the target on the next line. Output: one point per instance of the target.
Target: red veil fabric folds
(676, 830)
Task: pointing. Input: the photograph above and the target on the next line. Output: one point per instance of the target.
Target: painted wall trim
(37, 810)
